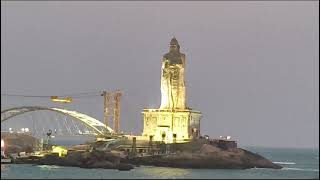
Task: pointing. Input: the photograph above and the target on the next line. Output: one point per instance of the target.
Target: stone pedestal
(165, 124)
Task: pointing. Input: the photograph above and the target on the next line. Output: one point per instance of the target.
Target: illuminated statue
(173, 122)
(173, 91)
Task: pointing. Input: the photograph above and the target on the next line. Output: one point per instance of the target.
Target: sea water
(297, 163)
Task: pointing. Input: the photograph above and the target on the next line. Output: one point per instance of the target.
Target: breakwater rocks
(208, 157)
(94, 159)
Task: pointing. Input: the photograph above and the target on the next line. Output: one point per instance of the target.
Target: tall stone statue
(174, 121)
(173, 91)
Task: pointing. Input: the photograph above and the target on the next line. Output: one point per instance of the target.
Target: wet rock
(94, 159)
(101, 164)
(124, 167)
(209, 158)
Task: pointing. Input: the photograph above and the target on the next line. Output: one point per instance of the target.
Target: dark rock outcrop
(208, 157)
(94, 159)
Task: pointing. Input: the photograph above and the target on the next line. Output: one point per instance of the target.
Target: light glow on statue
(173, 91)
(2, 143)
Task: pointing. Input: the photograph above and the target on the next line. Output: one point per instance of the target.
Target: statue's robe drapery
(173, 91)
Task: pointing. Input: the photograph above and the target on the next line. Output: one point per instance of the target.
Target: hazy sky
(252, 67)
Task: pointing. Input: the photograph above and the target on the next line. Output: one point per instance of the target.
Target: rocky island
(195, 154)
(208, 157)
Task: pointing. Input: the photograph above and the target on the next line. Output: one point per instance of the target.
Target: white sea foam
(284, 162)
(299, 169)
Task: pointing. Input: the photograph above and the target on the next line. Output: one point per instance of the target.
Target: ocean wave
(299, 169)
(49, 167)
(284, 162)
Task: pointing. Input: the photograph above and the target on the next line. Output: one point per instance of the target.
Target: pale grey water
(297, 163)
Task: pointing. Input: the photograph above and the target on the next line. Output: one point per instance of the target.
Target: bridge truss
(98, 127)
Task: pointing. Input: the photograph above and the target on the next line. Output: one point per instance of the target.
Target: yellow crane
(62, 100)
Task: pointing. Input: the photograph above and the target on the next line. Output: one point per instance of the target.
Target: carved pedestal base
(171, 125)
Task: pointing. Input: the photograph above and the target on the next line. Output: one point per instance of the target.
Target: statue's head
(174, 45)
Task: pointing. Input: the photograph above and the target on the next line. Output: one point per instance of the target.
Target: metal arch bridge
(90, 122)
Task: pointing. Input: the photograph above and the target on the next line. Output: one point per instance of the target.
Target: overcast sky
(252, 67)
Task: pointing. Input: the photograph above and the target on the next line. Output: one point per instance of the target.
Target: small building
(223, 143)
(226, 144)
